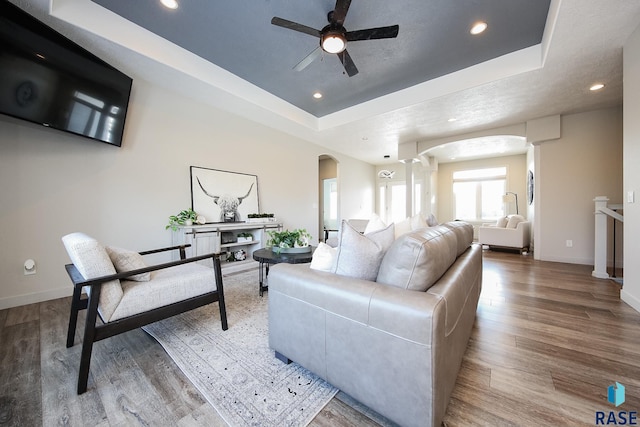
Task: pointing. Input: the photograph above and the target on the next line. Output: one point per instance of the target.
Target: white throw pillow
(514, 220)
(402, 227)
(324, 258)
(417, 222)
(502, 222)
(125, 260)
(374, 224)
(360, 255)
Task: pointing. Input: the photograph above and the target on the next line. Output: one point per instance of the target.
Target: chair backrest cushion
(92, 260)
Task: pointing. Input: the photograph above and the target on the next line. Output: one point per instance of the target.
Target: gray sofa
(396, 344)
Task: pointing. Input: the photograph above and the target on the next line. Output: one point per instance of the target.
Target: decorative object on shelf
(200, 219)
(261, 217)
(223, 196)
(185, 217)
(296, 241)
(227, 237)
(245, 237)
(240, 255)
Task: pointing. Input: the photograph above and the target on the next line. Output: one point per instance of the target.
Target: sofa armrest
(399, 312)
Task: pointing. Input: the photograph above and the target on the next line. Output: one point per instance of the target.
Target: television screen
(47, 79)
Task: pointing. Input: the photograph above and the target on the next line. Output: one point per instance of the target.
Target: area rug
(234, 369)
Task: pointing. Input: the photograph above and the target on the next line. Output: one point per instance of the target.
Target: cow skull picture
(227, 203)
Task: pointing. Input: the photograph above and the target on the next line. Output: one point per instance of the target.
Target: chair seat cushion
(166, 286)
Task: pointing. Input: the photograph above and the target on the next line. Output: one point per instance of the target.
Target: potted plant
(289, 241)
(245, 237)
(185, 217)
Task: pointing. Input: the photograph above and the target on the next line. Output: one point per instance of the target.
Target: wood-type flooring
(547, 343)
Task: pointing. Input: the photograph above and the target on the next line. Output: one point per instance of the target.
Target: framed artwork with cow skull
(223, 196)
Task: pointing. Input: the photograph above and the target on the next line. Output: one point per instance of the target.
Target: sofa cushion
(402, 227)
(374, 224)
(359, 255)
(125, 260)
(91, 260)
(411, 223)
(416, 260)
(324, 258)
(514, 220)
(464, 234)
(432, 221)
(502, 222)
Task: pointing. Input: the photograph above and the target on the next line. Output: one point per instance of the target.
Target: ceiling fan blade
(295, 26)
(348, 64)
(340, 11)
(373, 33)
(308, 59)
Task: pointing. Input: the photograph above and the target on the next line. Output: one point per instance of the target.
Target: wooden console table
(208, 238)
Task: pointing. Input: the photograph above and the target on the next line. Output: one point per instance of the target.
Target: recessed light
(597, 86)
(171, 4)
(478, 28)
(452, 119)
(386, 156)
(317, 95)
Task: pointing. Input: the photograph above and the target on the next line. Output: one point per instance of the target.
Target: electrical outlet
(29, 267)
(569, 243)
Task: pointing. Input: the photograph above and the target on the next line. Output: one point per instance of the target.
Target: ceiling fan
(334, 37)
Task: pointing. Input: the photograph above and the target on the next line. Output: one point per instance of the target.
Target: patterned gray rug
(235, 370)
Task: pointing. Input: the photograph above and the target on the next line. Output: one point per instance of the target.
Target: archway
(328, 196)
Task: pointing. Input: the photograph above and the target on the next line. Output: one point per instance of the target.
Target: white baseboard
(630, 299)
(36, 297)
(567, 260)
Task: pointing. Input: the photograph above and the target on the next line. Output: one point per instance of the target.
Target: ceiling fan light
(333, 43)
(478, 28)
(170, 4)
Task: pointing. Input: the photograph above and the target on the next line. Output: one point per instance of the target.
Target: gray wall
(52, 183)
(585, 162)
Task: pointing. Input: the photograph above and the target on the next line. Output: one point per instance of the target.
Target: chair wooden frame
(93, 332)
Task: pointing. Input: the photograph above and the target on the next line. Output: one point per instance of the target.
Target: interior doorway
(329, 196)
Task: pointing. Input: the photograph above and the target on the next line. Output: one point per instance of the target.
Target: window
(393, 201)
(478, 194)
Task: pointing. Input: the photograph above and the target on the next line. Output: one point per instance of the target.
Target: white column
(408, 167)
(600, 256)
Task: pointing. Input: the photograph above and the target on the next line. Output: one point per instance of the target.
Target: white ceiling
(582, 44)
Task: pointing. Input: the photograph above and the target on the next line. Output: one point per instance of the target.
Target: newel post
(600, 256)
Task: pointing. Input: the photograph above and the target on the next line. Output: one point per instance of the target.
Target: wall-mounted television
(46, 78)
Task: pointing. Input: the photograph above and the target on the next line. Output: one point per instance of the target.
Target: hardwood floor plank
(20, 402)
(59, 365)
(548, 341)
(22, 314)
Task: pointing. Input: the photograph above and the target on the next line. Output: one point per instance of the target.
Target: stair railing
(602, 212)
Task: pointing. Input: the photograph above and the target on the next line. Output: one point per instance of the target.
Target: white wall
(585, 162)
(631, 154)
(52, 183)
